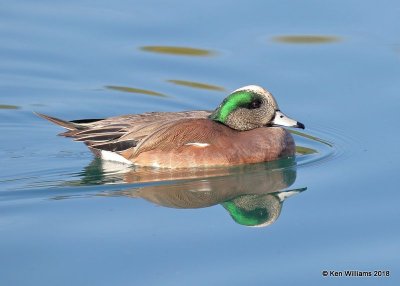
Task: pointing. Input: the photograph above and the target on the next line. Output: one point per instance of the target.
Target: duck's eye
(255, 104)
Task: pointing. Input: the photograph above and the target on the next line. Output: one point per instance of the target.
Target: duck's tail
(72, 126)
(66, 124)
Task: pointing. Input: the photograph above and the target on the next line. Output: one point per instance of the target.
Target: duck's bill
(281, 119)
(287, 194)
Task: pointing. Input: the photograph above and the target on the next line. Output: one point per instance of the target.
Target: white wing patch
(198, 144)
(110, 156)
(155, 164)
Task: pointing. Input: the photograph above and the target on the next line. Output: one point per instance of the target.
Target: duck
(246, 128)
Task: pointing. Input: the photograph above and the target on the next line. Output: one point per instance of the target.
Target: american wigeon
(242, 130)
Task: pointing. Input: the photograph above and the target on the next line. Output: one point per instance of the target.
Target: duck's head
(251, 107)
(258, 210)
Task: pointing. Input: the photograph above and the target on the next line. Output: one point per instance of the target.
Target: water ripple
(306, 39)
(179, 51)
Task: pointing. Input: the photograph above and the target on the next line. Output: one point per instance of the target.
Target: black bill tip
(300, 125)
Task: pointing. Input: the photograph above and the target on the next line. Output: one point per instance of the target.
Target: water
(67, 219)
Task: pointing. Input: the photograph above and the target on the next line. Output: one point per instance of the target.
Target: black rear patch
(116, 146)
(79, 121)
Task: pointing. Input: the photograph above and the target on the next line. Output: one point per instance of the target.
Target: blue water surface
(69, 219)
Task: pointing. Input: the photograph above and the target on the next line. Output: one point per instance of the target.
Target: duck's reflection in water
(252, 194)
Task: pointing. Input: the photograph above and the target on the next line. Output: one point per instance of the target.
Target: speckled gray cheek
(247, 119)
(243, 119)
(269, 113)
(235, 121)
(262, 116)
